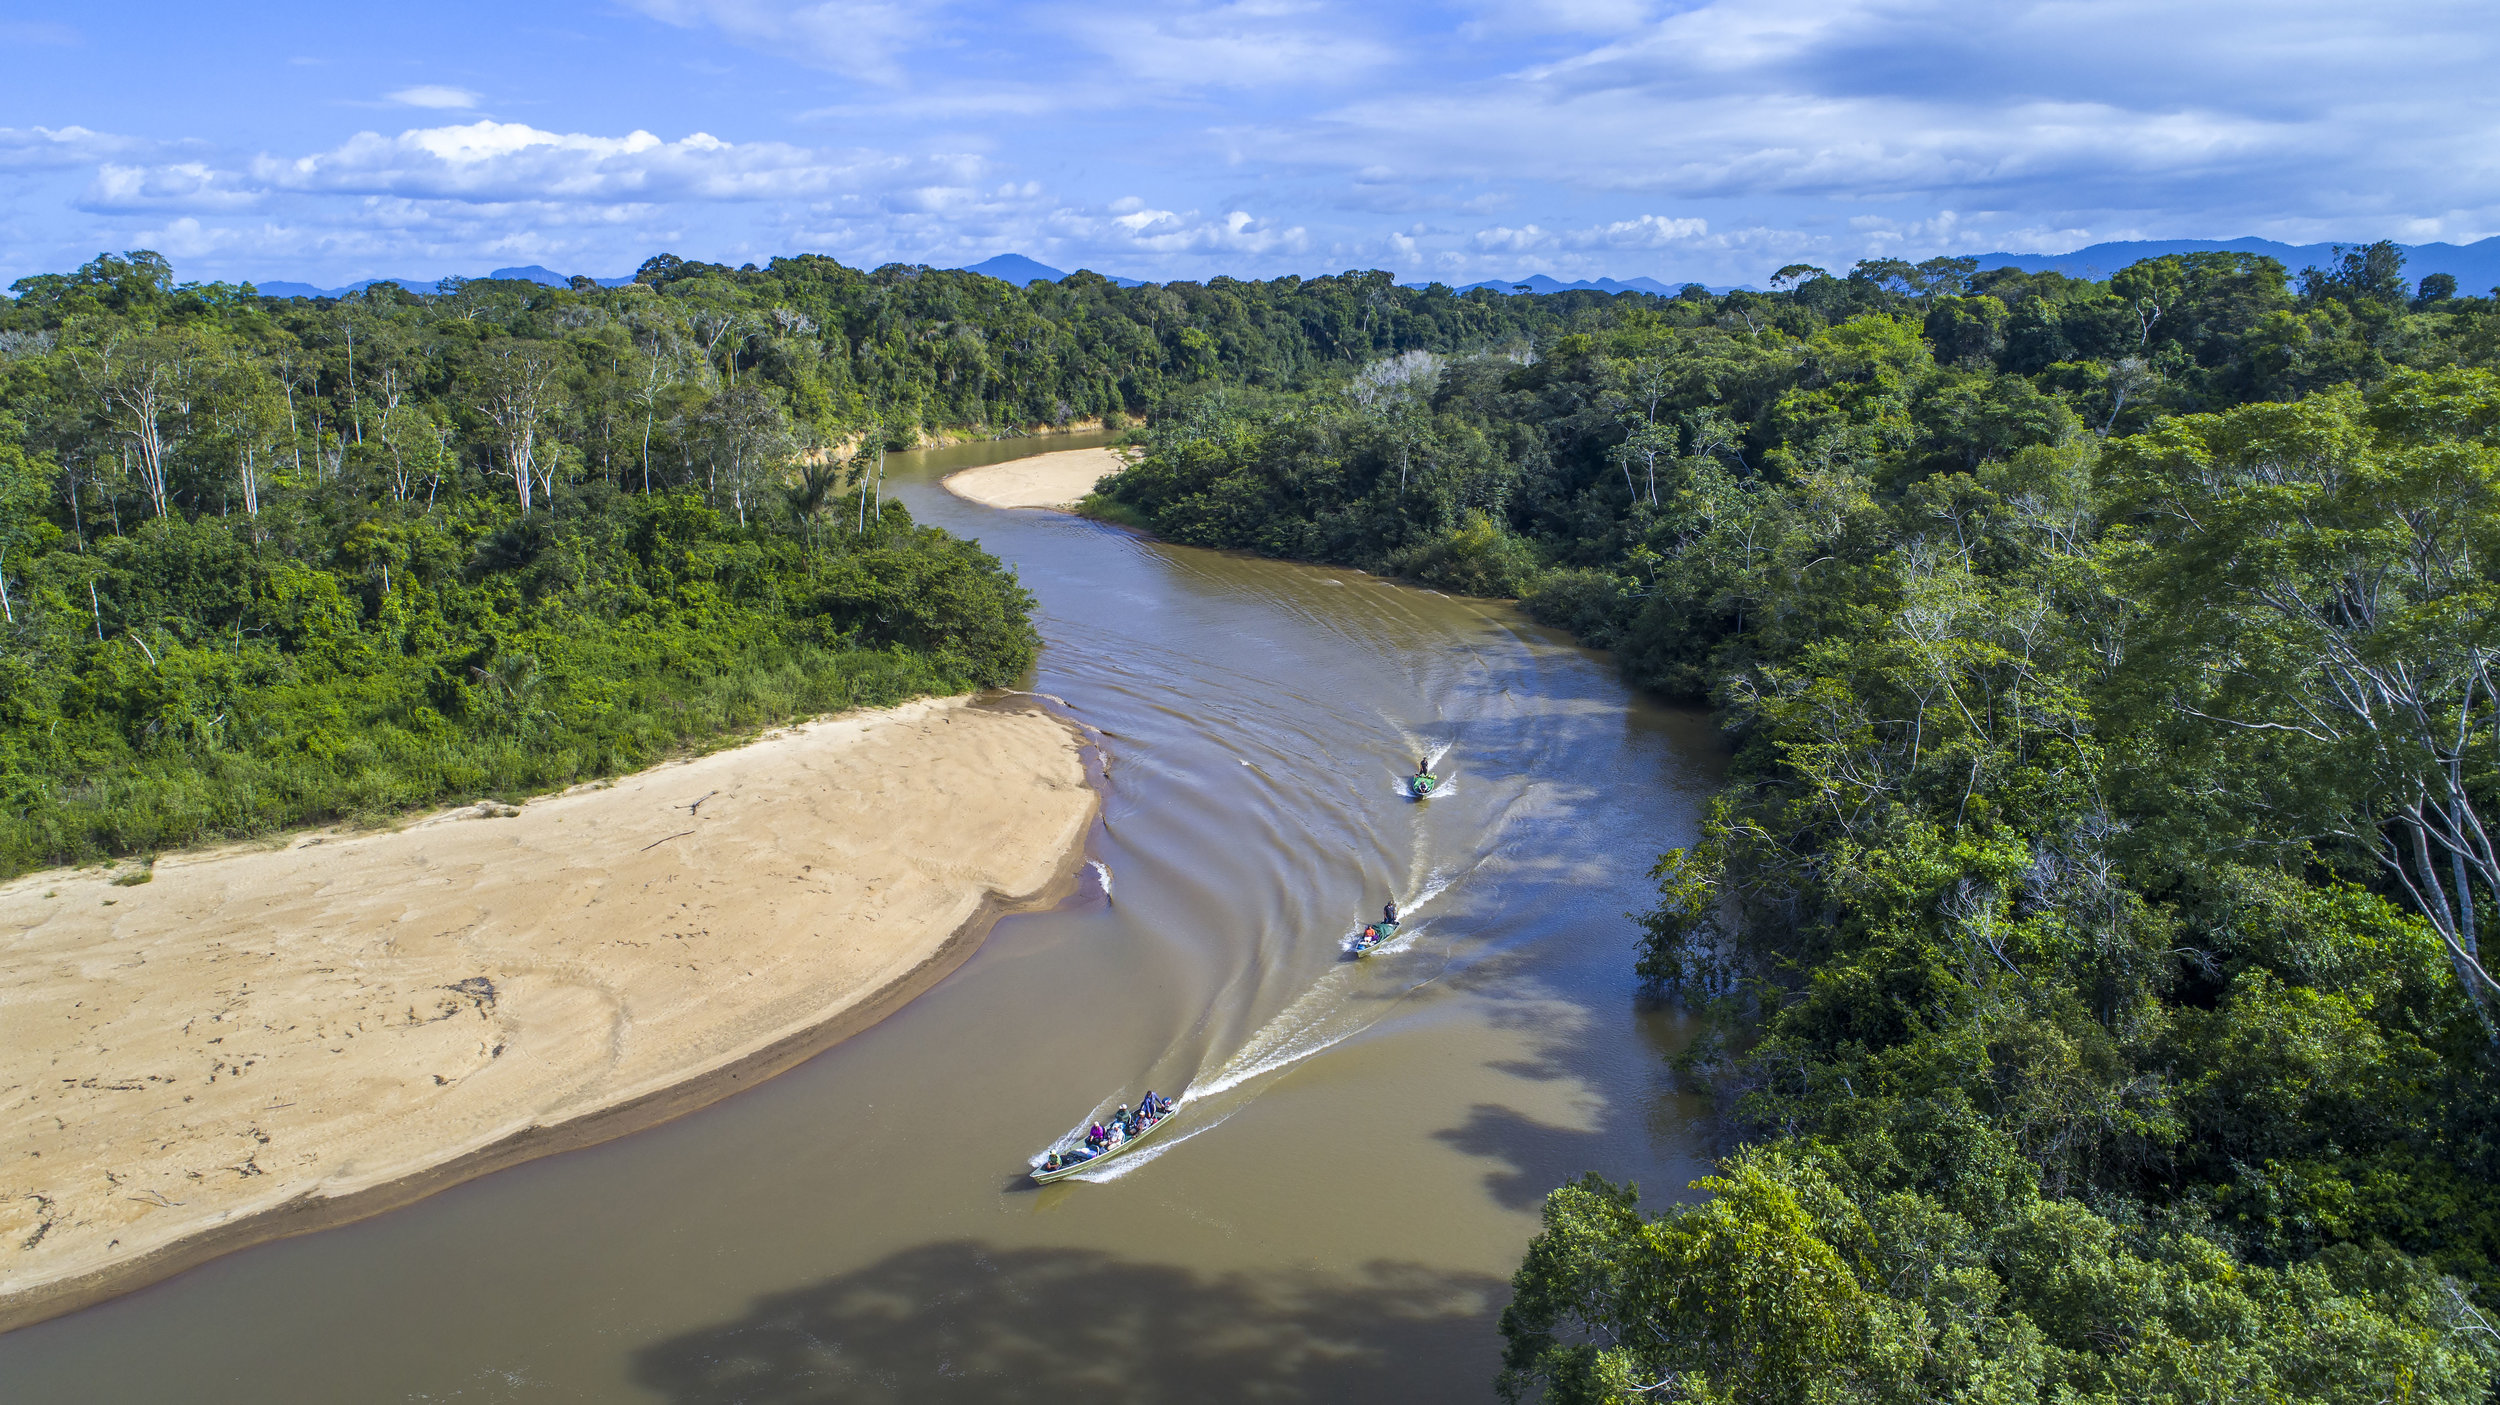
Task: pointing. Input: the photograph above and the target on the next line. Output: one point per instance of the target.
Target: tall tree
(748, 437)
(147, 383)
(516, 386)
(2325, 579)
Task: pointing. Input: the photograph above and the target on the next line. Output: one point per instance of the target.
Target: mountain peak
(1019, 270)
(1016, 269)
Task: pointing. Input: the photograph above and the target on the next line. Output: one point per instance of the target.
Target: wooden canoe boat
(1119, 1143)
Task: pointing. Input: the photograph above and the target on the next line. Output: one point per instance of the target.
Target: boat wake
(1330, 1012)
(1427, 749)
(1320, 1018)
(1120, 1166)
(1302, 1030)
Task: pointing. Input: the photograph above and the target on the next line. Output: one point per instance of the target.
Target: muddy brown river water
(1362, 1146)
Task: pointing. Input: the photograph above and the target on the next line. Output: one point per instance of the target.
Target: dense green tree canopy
(2088, 939)
(270, 561)
(2090, 933)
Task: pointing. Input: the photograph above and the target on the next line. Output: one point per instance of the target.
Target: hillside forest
(2086, 942)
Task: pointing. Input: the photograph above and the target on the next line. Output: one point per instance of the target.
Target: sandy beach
(1058, 481)
(261, 1042)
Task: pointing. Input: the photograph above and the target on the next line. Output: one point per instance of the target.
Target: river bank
(861, 1228)
(257, 1043)
(1057, 480)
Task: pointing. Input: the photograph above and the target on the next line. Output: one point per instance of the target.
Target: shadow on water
(966, 1321)
(1534, 1157)
(1531, 1156)
(1592, 1037)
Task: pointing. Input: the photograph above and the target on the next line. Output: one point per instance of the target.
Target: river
(1363, 1146)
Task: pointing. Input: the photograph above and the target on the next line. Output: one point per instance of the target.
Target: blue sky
(1712, 139)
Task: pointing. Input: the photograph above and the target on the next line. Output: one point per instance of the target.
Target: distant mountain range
(1545, 283)
(1542, 283)
(526, 273)
(1010, 268)
(1019, 270)
(2475, 266)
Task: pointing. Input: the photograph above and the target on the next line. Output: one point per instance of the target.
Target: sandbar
(1057, 481)
(265, 1041)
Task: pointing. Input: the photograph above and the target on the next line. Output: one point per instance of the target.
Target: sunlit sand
(261, 1042)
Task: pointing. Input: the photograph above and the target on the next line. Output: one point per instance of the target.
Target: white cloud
(1237, 232)
(431, 197)
(184, 185)
(1125, 236)
(1516, 241)
(1713, 139)
(506, 161)
(436, 95)
(442, 197)
(1671, 249)
(62, 148)
(186, 238)
(1646, 232)
(414, 239)
(2051, 114)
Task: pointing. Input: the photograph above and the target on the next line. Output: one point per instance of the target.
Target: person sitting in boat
(1052, 1164)
(1153, 1106)
(1095, 1136)
(1370, 934)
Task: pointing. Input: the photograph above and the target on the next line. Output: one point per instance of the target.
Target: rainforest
(2089, 927)
(2084, 940)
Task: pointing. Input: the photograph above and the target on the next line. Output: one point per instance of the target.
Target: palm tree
(821, 476)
